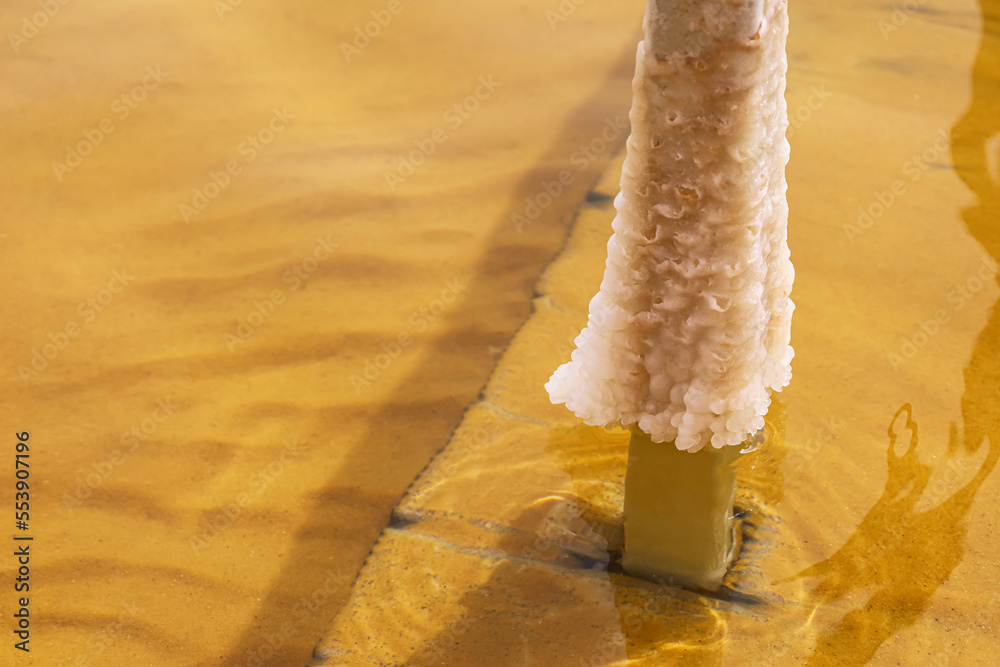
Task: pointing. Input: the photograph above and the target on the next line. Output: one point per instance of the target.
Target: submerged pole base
(679, 513)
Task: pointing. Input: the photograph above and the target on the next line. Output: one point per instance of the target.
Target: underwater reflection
(902, 554)
(976, 154)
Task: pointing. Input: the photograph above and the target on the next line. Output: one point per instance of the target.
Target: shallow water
(220, 438)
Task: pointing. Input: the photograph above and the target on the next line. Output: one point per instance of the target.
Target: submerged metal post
(678, 513)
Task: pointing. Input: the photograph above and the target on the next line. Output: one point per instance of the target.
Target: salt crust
(690, 330)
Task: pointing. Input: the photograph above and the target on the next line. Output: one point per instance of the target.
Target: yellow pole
(678, 513)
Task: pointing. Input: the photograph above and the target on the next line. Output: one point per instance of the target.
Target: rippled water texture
(284, 294)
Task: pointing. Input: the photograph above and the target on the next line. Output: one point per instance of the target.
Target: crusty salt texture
(690, 330)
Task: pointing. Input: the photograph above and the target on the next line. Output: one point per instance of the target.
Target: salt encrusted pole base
(678, 513)
(690, 330)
